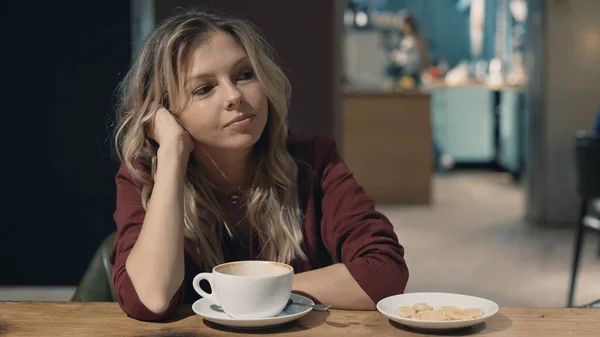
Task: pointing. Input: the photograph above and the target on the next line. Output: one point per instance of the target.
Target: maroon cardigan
(341, 225)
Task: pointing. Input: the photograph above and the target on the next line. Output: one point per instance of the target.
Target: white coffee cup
(248, 289)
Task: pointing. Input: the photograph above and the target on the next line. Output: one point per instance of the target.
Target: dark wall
(66, 61)
(304, 36)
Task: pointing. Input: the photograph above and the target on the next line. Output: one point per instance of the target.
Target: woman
(209, 175)
(412, 57)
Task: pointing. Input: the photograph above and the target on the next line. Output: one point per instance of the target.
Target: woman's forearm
(156, 262)
(333, 285)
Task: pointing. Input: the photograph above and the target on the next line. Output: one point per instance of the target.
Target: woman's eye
(246, 75)
(203, 90)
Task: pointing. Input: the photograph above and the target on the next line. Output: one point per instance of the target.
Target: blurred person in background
(408, 62)
(411, 57)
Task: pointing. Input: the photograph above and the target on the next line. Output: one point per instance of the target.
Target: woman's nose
(233, 98)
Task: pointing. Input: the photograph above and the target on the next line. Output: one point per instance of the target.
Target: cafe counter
(387, 144)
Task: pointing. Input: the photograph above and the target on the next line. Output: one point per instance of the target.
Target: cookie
(424, 311)
(430, 315)
(474, 312)
(405, 311)
(457, 315)
(422, 307)
(450, 309)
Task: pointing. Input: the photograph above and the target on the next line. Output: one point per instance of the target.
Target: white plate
(389, 305)
(215, 314)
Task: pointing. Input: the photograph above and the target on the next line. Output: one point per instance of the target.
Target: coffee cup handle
(196, 283)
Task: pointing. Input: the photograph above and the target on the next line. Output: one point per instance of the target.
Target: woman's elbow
(397, 280)
(147, 309)
(157, 300)
(144, 304)
(387, 282)
(157, 305)
(367, 305)
(403, 277)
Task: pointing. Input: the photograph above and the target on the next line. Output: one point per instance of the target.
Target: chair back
(587, 162)
(96, 284)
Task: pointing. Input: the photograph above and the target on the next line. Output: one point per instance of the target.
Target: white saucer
(389, 305)
(215, 314)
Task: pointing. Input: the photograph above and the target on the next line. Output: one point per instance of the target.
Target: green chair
(96, 284)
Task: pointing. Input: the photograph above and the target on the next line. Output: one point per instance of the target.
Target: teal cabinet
(511, 131)
(463, 123)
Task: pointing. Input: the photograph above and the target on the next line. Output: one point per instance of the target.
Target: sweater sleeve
(129, 216)
(354, 233)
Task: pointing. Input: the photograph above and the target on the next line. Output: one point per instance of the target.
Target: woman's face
(228, 107)
(406, 28)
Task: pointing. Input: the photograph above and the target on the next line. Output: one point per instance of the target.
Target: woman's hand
(333, 285)
(166, 130)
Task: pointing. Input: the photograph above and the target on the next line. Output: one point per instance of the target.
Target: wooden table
(106, 319)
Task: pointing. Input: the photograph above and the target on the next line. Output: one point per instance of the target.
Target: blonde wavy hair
(156, 78)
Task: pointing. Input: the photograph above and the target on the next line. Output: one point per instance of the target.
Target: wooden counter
(107, 320)
(476, 84)
(387, 143)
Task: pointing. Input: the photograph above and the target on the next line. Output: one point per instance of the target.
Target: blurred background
(457, 116)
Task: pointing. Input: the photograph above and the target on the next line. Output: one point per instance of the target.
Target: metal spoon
(319, 307)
